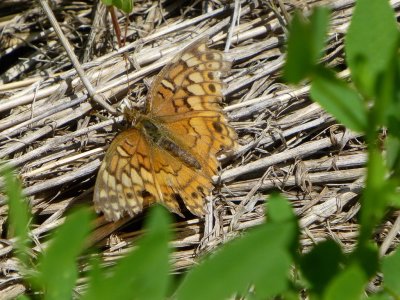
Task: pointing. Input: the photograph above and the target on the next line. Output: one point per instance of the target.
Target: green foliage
(327, 268)
(372, 56)
(374, 63)
(18, 212)
(143, 273)
(371, 42)
(391, 272)
(346, 285)
(392, 146)
(305, 44)
(248, 260)
(55, 276)
(339, 99)
(124, 5)
(377, 194)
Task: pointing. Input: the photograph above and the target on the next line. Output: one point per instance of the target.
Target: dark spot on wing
(145, 194)
(210, 56)
(201, 190)
(218, 128)
(212, 88)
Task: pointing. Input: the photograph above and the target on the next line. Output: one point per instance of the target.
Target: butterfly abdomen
(158, 137)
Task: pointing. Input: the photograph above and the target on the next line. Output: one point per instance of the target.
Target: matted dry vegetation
(56, 136)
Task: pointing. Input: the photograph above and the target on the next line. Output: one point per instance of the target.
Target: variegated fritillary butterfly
(171, 150)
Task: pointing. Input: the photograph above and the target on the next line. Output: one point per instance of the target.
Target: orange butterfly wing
(179, 157)
(186, 100)
(123, 176)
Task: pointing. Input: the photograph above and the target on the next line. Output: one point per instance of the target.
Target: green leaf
(394, 120)
(336, 97)
(328, 257)
(124, 5)
(96, 277)
(19, 213)
(348, 285)
(298, 63)
(279, 210)
(391, 271)
(376, 196)
(380, 296)
(305, 44)
(289, 295)
(367, 257)
(143, 273)
(370, 43)
(57, 266)
(279, 263)
(247, 260)
(319, 24)
(394, 200)
(392, 146)
(386, 104)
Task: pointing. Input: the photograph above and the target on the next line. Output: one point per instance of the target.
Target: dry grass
(56, 136)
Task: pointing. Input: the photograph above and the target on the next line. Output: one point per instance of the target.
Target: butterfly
(169, 155)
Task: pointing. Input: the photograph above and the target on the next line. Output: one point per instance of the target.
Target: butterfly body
(170, 152)
(159, 136)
